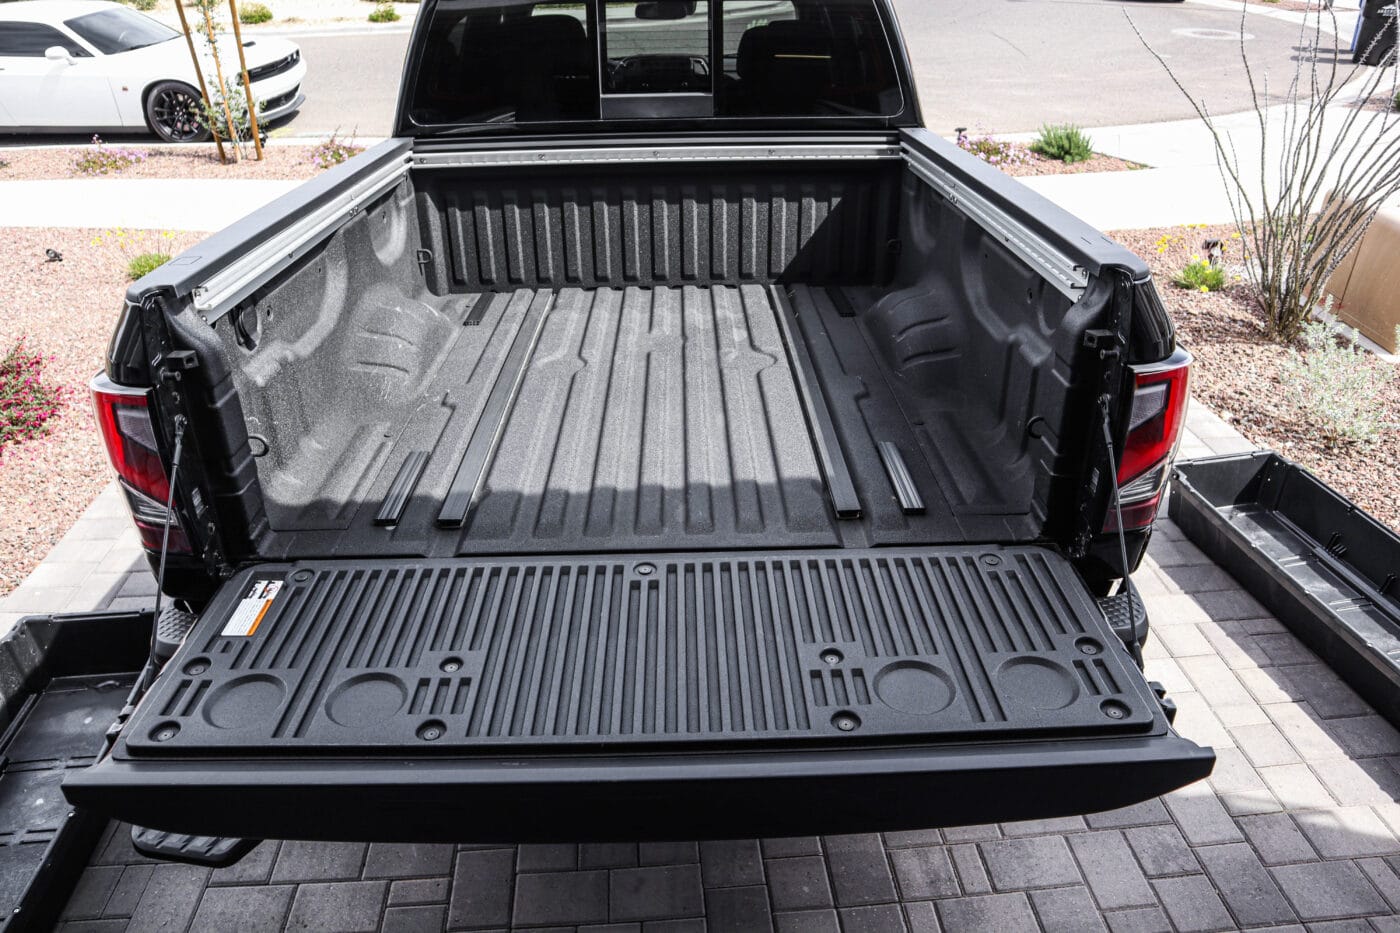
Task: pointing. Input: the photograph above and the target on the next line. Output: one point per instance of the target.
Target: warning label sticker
(251, 609)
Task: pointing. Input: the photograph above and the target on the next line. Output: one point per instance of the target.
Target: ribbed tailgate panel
(472, 654)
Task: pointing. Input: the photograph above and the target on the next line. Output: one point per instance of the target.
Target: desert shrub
(103, 159)
(1063, 142)
(1336, 167)
(997, 152)
(145, 6)
(138, 251)
(26, 401)
(1337, 385)
(334, 151)
(383, 13)
(253, 13)
(1200, 276)
(145, 264)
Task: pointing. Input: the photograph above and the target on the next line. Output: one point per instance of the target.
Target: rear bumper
(711, 796)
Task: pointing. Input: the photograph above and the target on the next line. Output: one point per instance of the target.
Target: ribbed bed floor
(631, 419)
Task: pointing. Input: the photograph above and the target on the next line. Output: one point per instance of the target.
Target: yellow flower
(1204, 289)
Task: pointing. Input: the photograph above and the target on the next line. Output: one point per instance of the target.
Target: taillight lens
(124, 416)
(1158, 414)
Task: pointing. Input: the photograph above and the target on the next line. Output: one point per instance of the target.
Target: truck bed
(583, 420)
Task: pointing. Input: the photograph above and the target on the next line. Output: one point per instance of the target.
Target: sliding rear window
(490, 63)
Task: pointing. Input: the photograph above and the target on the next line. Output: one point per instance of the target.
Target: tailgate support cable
(169, 509)
(1118, 510)
(152, 667)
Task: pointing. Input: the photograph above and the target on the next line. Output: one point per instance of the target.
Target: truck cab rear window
(488, 62)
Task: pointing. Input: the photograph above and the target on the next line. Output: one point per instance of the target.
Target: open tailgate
(635, 697)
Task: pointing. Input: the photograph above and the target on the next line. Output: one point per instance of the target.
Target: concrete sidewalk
(135, 203)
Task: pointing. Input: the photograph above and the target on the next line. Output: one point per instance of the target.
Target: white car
(101, 67)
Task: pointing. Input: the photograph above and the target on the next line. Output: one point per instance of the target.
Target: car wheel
(171, 113)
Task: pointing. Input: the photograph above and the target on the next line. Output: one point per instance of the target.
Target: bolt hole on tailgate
(646, 696)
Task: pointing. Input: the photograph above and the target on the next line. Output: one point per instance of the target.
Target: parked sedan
(95, 66)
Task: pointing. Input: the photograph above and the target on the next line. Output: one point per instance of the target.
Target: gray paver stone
(1111, 871)
(1005, 913)
(797, 883)
(563, 897)
(875, 918)
(860, 872)
(731, 863)
(1192, 904)
(924, 873)
(1246, 885)
(1039, 862)
(738, 909)
(337, 907)
(656, 893)
(1328, 890)
(1066, 910)
(481, 885)
(242, 908)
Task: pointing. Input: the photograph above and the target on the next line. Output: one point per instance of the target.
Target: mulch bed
(1239, 373)
(1039, 165)
(65, 309)
(198, 160)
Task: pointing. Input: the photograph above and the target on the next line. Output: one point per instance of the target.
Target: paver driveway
(1297, 825)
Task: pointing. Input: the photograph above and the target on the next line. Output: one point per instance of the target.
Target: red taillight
(124, 416)
(1154, 428)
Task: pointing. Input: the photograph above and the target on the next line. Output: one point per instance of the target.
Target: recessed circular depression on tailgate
(914, 687)
(244, 701)
(1037, 683)
(366, 699)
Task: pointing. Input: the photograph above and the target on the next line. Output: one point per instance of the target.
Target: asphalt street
(1003, 65)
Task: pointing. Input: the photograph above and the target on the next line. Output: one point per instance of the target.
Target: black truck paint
(658, 476)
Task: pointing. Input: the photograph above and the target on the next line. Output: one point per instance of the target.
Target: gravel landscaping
(1239, 373)
(160, 161)
(1039, 165)
(66, 309)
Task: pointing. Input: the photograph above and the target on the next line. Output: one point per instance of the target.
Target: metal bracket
(217, 295)
(1070, 278)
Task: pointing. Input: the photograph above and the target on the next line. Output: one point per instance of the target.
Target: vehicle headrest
(806, 46)
(555, 34)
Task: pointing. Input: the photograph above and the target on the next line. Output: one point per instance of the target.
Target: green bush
(26, 403)
(1200, 276)
(1063, 142)
(1337, 385)
(384, 13)
(145, 6)
(145, 264)
(253, 13)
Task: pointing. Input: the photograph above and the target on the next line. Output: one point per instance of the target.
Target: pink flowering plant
(994, 151)
(103, 159)
(334, 151)
(26, 402)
